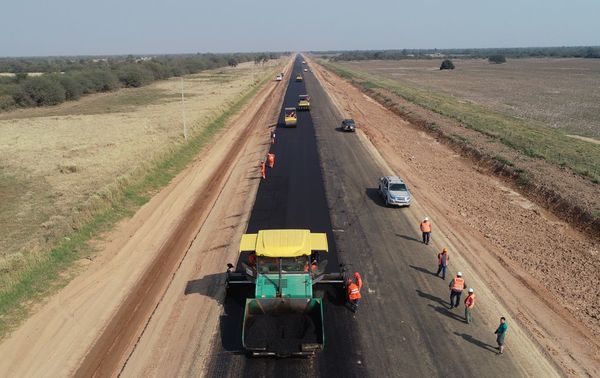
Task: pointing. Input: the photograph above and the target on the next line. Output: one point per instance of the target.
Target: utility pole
(185, 130)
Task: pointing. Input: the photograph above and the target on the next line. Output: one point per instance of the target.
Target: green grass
(39, 278)
(529, 137)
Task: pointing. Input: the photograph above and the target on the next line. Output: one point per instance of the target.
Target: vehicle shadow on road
(211, 286)
(448, 313)
(373, 194)
(423, 270)
(479, 343)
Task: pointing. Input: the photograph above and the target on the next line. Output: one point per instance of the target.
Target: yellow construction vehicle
(303, 102)
(291, 118)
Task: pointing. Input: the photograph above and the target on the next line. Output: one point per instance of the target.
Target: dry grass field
(562, 93)
(59, 165)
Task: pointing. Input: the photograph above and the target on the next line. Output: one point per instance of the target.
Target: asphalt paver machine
(284, 318)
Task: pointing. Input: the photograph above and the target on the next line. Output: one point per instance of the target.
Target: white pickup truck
(279, 77)
(394, 191)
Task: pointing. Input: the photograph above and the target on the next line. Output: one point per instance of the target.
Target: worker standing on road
(272, 136)
(469, 304)
(354, 291)
(271, 159)
(263, 169)
(426, 230)
(501, 334)
(457, 285)
(443, 261)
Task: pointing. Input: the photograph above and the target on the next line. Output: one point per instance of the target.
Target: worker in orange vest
(469, 304)
(443, 261)
(263, 169)
(271, 159)
(426, 230)
(457, 285)
(354, 291)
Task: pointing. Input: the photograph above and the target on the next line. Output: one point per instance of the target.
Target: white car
(394, 191)
(306, 70)
(279, 77)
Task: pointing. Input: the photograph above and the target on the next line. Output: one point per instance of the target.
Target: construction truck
(284, 318)
(299, 77)
(290, 117)
(303, 102)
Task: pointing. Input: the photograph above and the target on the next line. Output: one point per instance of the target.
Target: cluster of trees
(520, 52)
(69, 78)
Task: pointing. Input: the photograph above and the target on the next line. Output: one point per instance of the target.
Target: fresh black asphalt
(325, 180)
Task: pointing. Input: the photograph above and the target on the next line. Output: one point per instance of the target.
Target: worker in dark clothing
(273, 137)
(457, 285)
(354, 291)
(443, 261)
(501, 334)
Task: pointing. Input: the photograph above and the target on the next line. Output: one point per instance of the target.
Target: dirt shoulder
(80, 318)
(541, 269)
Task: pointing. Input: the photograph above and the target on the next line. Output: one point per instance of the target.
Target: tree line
(517, 52)
(69, 78)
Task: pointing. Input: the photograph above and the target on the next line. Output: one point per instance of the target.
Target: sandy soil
(562, 93)
(56, 339)
(516, 247)
(59, 164)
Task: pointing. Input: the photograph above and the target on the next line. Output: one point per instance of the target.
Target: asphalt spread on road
(325, 180)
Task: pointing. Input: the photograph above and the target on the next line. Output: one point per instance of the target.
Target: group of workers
(270, 158)
(458, 285)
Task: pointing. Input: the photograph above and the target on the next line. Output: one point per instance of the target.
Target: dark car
(348, 125)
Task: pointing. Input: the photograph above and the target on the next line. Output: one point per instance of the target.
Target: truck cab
(299, 77)
(394, 191)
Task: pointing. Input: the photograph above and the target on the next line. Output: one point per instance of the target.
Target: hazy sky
(83, 27)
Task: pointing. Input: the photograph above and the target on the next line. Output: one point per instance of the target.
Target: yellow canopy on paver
(284, 243)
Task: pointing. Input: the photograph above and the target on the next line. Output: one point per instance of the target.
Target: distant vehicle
(279, 77)
(348, 125)
(303, 62)
(290, 117)
(303, 102)
(394, 191)
(298, 77)
(306, 70)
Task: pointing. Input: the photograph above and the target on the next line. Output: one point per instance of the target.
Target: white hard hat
(426, 218)
(459, 274)
(470, 290)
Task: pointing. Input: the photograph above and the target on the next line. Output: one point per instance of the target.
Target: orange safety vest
(425, 226)
(271, 159)
(470, 301)
(459, 284)
(353, 292)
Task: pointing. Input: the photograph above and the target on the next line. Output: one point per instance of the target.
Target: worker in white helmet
(457, 285)
(469, 304)
(425, 227)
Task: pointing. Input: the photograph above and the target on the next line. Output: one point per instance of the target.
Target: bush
(73, 88)
(7, 102)
(447, 65)
(101, 81)
(135, 75)
(497, 59)
(232, 62)
(44, 90)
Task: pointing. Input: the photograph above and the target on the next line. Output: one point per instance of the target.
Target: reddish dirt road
(509, 242)
(91, 326)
